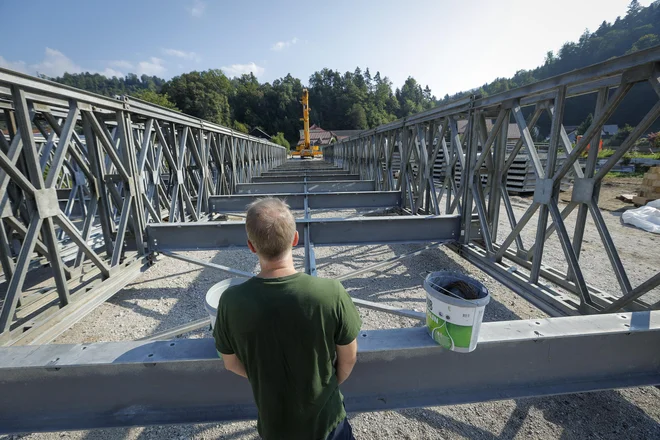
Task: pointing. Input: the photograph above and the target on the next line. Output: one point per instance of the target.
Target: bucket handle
(447, 292)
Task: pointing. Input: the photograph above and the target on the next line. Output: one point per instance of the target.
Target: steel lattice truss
(82, 173)
(475, 169)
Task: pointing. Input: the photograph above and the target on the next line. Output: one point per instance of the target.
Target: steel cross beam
(300, 178)
(312, 187)
(280, 171)
(322, 232)
(183, 381)
(344, 200)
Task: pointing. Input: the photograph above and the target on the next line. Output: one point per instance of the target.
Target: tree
(97, 83)
(648, 40)
(620, 136)
(412, 99)
(247, 100)
(654, 139)
(584, 126)
(549, 57)
(239, 126)
(281, 106)
(202, 94)
(280, 140)
(602, 29)
(634, 7)
(358, 117)
(155, 98)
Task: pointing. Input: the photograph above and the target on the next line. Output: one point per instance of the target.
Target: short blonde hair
(270, 227)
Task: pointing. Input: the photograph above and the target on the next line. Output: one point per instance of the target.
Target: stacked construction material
(520, 179)
(650, 187)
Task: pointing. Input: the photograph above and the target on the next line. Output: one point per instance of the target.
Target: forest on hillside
(361, 99)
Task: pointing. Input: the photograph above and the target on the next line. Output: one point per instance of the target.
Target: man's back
(284, 330)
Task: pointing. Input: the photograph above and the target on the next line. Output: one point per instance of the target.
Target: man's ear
(296, 237)
(251, 247)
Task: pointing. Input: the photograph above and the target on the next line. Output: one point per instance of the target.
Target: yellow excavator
(306, 150)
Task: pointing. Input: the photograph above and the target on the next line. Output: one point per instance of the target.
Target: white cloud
(197, 9)
(281, 45)
(121, 64)
(110, 72)
(153, 66)
(181, 54)
(55, 63)
(19, 66)
(240, 69)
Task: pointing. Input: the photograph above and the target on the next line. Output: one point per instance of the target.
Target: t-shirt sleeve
(221, 333)
(349, 323)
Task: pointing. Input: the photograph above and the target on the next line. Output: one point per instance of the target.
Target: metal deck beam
(299, 187)
(301, 177)
(65, 387)
(322, 232)
(302, 171)
(347, 200)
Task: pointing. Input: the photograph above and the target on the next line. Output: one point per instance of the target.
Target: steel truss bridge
(94, 188)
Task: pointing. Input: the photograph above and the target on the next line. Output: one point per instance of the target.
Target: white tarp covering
(647, 217)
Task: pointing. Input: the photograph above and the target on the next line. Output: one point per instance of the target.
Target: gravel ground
(171, 293)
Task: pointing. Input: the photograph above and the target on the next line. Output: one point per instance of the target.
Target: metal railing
(81, 176)
(476, 165)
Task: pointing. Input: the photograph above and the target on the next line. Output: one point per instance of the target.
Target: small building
(606, 132)
(571, 131)
(609, 130)
(317, 136)
(340, 135)
(321, 137)
(258, 132)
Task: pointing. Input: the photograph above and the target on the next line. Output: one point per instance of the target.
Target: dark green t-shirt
(284, 331)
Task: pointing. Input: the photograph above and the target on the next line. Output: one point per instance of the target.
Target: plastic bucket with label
(214, 294)
(455, 306)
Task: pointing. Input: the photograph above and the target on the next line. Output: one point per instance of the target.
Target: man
(293, 336)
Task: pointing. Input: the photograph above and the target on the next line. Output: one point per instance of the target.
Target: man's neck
(281, 267)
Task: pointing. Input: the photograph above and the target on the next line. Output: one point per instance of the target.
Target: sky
(449, 46)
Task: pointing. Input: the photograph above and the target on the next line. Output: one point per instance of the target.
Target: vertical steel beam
(15, 286)
(551, 160)
(24, 126)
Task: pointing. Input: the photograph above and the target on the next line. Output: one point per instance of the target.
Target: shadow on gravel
(172, 431)
(382, 285)
(184, 299)
(602, 415)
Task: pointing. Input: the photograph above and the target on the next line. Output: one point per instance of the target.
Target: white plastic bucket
(451, 320)
(214, 294)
